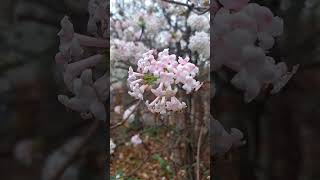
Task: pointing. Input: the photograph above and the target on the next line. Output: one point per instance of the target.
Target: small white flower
(112, 146)
(200, 42)
(135, 140)
(117, 109)
(198, 22)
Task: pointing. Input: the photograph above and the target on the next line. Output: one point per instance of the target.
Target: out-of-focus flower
(200, 42)
(24, 151)
(89, 94)
(135, 140)
(198, 22)
(117, 109)
(224, 141)
(129, 114)
(126, 51)
(112, 146)
(86, 99)
(97, 15)
(58, 158)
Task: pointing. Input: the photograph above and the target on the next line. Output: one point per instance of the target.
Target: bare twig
(76, 151)
(124, 120)
(200, 10)
(177, 3)
(198, 153)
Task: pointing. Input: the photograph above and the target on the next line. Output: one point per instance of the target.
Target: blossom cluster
(243, 34)
(158, 25)
(126, 51)
(198, 22)
(199, 42)
(164, 73)
(89, 94)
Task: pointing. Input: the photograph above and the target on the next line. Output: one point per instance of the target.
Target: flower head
(161, 76)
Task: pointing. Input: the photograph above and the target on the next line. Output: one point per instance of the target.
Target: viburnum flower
(200, 42)
(260, 70)
(117, 109)
(90, 91)
(24, 151)
(126, 51)
(224, 140)
(161, 76)
(198, 22)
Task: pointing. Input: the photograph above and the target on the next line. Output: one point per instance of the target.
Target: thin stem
(125, 119)
(198, 153)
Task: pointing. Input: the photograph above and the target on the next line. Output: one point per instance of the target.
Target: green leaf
(149, 79)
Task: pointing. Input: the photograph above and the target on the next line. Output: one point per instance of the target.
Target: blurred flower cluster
(243, 35)
(89, 86)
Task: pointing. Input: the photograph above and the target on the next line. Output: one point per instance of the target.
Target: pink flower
(175, 104)
(86, 100)
(165, 73)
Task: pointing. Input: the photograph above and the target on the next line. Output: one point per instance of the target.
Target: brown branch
(177, 3)
(198, 153)
(76, 151)
(124, 120)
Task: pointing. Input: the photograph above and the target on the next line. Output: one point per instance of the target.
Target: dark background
(30, 82)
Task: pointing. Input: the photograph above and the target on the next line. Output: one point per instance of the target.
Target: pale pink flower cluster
(89, 94)
(200, 43)
(126, 51)
(165, 38)
(125, 29)
(161, 76)
(149, 21)
(242, 35)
